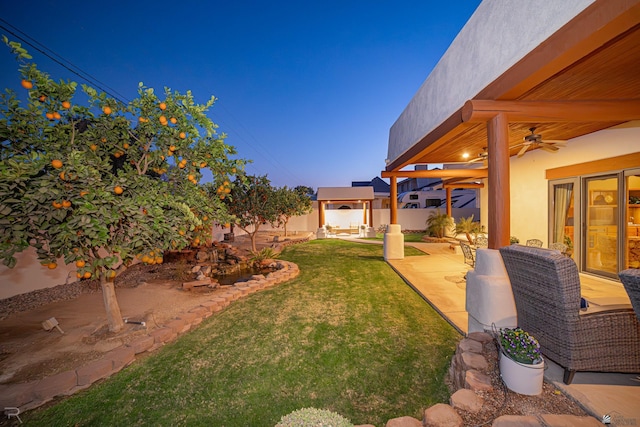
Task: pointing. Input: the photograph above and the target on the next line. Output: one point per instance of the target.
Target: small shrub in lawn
(312, 417)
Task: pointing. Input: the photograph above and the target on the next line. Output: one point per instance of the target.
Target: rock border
(30, 395)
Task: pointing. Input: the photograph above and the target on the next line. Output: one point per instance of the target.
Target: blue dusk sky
(307, 90)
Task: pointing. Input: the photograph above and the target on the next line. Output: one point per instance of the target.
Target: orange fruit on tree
(87, 274)
(66, 204)
(118, 190)
(162, 119)
(26, 84)
(57, 115)
(93, 147)
(56, 163)
(159, 260)
(172, 148)
(61, 175)
(181, 232)
(107, 110)
(83, 193)
(111, 274)
(52, 265)
(79, 275)
(80, 263)
(173, 120)
(49, 116)
(191, 177)
(117, 154)
(42, 98)
(169, 154)
(125, 145)
(66, 105)
(163, 106)
(183, 135)
(203, 164)
(56, 205)
(142, 120)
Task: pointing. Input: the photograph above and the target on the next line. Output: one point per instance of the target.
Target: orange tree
(290, 203)
(253, 203)
(104, 183)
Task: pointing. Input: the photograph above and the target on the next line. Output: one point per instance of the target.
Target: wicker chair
(546, 289)
(469, 258)
(631, 281)
(534, 242)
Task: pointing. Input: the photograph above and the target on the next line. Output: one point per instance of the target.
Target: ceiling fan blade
(523, 150)
(558, 142)
(548, 147)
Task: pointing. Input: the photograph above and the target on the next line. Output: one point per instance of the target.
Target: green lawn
(408, 237)
(346, 335)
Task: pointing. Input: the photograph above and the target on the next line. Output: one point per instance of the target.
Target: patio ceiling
(584, 78)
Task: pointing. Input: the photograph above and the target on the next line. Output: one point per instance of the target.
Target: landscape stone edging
(30, 395)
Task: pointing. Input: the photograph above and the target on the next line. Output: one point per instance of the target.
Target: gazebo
(329, 195)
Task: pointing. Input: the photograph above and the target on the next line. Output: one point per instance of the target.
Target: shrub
(438, 223)
(312, 417)
(264, 253)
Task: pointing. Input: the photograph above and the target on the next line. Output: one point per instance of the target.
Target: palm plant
(438, 223)
(469, 227)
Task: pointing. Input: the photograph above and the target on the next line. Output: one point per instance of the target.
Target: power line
(261, 149)
(25, 38)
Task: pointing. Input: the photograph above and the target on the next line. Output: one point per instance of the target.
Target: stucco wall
(497, 35)
(529, 188)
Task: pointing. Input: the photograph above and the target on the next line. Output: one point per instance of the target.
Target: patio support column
(448, 190)
(364, 212)
(499, 219)
(370, 213)
(393, 186)
(320, 214)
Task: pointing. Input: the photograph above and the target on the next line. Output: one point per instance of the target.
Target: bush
(312, 417)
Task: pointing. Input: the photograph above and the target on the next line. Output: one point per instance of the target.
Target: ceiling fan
(535, 140)
(481, 156)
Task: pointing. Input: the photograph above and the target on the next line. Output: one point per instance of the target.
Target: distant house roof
(379, 186)
(345, 193)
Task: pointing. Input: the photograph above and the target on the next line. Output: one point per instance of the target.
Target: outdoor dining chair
(557, 246)
(546, 290)
(469, 257)
(482, 242)
(536, 243)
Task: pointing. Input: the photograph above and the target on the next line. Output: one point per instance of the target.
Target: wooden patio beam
(464, 185)
(437, 173)
(481, 111)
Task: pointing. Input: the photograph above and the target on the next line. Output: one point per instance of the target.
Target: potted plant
(521, 362)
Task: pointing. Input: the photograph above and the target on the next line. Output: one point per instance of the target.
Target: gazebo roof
(345, 193)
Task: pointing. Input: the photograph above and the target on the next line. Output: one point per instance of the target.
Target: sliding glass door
(601, 225)
(632, 215)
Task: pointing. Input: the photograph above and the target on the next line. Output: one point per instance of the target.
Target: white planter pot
(521, 378)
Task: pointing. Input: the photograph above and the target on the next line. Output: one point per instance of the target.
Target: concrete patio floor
(439, 279)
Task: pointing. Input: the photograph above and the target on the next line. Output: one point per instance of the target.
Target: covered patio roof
(345, 194)
(581, 77)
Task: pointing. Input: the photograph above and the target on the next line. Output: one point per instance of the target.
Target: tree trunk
(469, 238)
(285, 228)
(114, 318)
